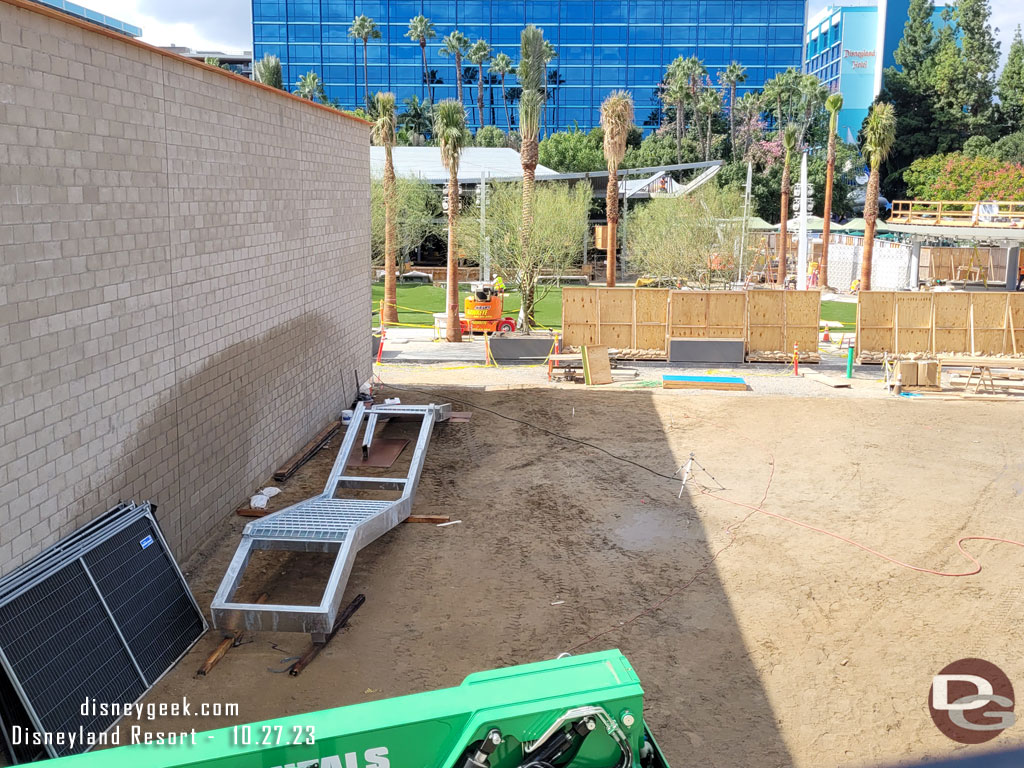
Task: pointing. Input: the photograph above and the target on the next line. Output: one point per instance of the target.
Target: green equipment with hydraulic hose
(571, 712)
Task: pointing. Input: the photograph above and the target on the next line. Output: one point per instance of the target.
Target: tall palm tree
(616, 120)
(416, 116)
(748, 108)
(781, 91)
(450, 132)
(731, 76)
(268, 71)
(812, 95)
(364, 28)
(532, 66)
(456, 44)
(879, 137)
(478, 54)
(420, 30)
(309, 87)
(383, 135)
(674, 93)
(501, 65)
(833, 104)
(709, 106)
(693, 71)
(789, 143)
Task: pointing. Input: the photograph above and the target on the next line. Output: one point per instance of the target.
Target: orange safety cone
(826, 337)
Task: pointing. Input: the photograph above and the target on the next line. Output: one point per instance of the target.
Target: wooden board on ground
(307, 451)
(596, 367)
(428, 519)
(383, 453)
(674, 381)
(829, 381)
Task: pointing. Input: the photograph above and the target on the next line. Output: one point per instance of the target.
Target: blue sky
(226, 25)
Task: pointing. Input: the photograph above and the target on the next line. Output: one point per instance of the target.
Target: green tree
(1011, 83)
(789, 143)
(501, 65)
(479, 54)
(364, 28)
(1010, 149)
(420, 30)
(658, 150)
(383, 134)
(616, 120)
(415, 118)
(879, 137)
(559, 228)
(451, 135)
(731, 76)
(692, 71)
(674, 93)
(917, 47)
(310, 87)
(550, 54)
(684, 236)
(268, 71)
(456, 44)
(490, 136)
(532, 66)
(571, 152)
(708, 108)
(833, 104)
(980, 56)
(417, 210)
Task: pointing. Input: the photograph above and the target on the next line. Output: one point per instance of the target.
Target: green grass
(416, 303)
(844, 312)
(430, 298)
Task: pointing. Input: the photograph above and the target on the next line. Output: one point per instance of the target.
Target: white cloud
(221, 25)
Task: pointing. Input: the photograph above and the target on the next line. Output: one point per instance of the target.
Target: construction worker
(498, 286)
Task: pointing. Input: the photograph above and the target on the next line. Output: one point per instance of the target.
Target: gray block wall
(183, 281)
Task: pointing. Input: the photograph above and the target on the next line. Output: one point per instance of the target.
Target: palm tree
(676, 78)
(456, 44)
(616, 120)
(532, 66)
(693, 72)
(709, 105)
(502, 65)
(478, 54)
(781, 91)
(268, 71)
(731, 77)
(812, 93)
(383, 135)
(789, 142)
(421, 29)
(748, 108)
(450, 132)
(364, 28)
(309, 87)
(416, 117)
(833, 104)
(879, 137)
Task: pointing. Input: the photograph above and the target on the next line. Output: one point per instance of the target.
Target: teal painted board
(709, 379)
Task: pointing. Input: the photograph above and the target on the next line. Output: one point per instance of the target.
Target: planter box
(521, 348)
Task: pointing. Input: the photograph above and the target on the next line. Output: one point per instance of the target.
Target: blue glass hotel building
(602, 46)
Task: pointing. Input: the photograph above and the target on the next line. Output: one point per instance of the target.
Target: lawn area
(416, 303)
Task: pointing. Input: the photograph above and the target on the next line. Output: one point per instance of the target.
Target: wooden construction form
(958, 213)
(978, 264)
(982, 323)
(769, 321)
(703, 382)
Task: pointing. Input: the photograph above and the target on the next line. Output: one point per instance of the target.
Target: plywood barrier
(768, 321)
(982, 323)
(962, 264)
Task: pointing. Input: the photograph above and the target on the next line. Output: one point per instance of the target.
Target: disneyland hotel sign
(860, 58)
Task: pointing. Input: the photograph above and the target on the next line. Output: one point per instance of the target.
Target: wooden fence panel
(988, 316)
(766, 326)
(913, 321)
(688, 315)
(615, 317)
(579, 316)
(651, 318)
(1015, 340)
(802, 313)
(951, 314)
(726, 315)
(876, 320)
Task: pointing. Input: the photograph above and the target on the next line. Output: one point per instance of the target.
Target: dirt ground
(758, 643)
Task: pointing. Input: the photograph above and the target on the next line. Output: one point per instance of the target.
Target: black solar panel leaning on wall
(144, 591)
(64, 649)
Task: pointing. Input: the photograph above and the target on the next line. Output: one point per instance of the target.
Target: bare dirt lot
(758, 643)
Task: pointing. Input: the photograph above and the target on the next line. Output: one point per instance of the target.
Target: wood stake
(224, 646)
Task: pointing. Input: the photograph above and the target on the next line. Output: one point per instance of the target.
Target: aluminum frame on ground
(327, 524)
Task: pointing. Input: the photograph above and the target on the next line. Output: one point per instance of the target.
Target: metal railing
(959, 213)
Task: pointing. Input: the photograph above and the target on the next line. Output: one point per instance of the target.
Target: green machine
(571, 712)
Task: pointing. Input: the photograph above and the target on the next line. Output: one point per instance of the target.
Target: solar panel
(100, 616)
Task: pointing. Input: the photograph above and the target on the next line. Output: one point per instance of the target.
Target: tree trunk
(504, 100)
(679, 132)
(870, 217)
(426, 72)
(458, 76)
(453, 331)
(707, 139)
(830, 170)
(528, 294)
(732, 118)
(480, 96)
(696, 122)
(783, 246)
(366, 80)
(390, 316)
(611, 205)
(529, 157)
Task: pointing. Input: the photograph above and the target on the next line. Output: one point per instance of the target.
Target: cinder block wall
(183, 281)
